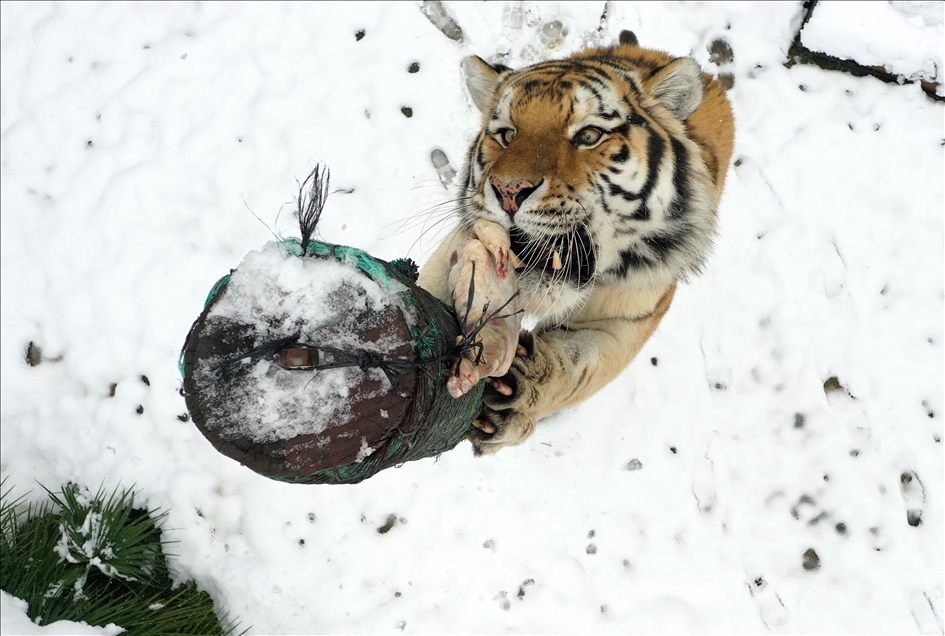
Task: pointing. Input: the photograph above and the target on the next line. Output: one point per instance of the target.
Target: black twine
(310, 204)
(266, 350)
(364, 359)
(468, 342)
(361, 358)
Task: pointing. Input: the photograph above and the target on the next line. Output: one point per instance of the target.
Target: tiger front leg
(551, 371)
(558, 368)
(511, 404)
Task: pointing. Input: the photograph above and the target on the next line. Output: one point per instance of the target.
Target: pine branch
(100, 560)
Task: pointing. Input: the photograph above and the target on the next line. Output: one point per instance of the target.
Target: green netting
(433, 422)
(217, 286)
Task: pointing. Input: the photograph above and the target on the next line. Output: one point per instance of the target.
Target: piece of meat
(483, 262)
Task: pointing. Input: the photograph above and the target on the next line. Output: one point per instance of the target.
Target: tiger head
(588, 162)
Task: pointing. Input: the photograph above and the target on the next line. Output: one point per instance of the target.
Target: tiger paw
(534, 377)
(509, 403)
(496, 430)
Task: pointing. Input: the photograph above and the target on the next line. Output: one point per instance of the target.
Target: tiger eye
(505, 136)
(588, 136)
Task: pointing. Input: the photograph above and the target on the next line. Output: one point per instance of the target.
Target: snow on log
(324, 367)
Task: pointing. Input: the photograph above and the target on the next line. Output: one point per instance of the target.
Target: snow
(904, 37)
(15, 621)
(146, 149)
(364, 452)
(275, 295)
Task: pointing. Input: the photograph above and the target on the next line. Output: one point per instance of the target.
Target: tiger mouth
(567, 257)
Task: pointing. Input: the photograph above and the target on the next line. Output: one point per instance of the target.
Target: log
(317, 363)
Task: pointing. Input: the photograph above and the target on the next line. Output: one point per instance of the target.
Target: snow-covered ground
(752, 470)
(905, 38)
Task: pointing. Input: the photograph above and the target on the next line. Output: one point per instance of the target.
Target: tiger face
(603, 168)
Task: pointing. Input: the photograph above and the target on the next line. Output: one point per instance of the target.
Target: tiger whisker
(432, 218)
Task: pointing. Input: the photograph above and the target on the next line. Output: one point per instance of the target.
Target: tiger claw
(502, 387)
(485, 426)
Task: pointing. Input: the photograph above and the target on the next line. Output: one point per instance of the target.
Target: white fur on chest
(548, 302)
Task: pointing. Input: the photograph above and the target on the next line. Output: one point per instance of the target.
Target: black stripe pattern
(638, 211)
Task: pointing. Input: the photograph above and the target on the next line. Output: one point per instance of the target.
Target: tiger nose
(512, 194)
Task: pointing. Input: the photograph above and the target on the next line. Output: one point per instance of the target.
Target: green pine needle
(108, 534)
(100, 560)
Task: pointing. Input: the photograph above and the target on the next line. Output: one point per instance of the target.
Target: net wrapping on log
(399, 414)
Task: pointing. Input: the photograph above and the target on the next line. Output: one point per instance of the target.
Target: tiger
(606, 169)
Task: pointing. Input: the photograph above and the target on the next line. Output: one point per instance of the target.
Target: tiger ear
(678, 86)
(481, 79)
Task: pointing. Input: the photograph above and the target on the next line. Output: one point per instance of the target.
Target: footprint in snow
(720, 54)
(444, 170)
(913, 494)
(878, 540)
(521, 588)
(770, 606)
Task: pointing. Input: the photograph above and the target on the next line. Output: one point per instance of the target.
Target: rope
(365, 360)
